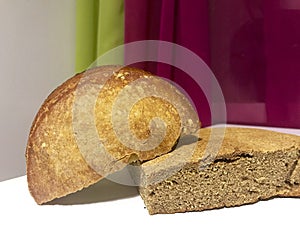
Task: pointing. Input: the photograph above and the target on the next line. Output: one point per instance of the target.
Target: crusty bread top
(49, 167)
(234, 142)
(56, 163)
(246, 140)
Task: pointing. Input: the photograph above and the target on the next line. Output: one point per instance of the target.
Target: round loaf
(97, 122)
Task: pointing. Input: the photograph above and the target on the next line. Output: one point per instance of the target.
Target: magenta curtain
(252, 46)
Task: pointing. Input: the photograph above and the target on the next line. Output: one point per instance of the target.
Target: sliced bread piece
(251, 165)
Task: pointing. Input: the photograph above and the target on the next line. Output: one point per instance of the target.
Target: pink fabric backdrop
(252, 46)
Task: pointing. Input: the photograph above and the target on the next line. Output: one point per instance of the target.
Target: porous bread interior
(245, 179)
(250, 164)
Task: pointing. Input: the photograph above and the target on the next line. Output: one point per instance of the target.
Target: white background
(37, 53)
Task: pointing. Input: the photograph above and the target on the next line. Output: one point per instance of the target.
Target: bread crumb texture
(251, 165)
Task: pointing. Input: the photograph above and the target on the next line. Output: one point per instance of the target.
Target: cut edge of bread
(244, 146)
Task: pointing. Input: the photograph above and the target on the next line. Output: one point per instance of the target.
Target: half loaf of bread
(251, 165)
(84, 129)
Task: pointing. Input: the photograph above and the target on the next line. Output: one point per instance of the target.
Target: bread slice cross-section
(251, 165)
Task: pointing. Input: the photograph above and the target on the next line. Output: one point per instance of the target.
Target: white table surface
(110, 203)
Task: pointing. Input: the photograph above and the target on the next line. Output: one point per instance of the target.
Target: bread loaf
(97, 122)
(251, 165)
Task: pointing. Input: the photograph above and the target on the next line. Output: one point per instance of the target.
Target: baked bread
(251, 165)
(97, 122)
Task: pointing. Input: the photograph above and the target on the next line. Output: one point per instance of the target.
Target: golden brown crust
(56, 163)
(236, 141)
(43, 183)
(247, 140)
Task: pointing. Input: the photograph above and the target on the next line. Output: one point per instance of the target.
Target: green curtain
(99, 28)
